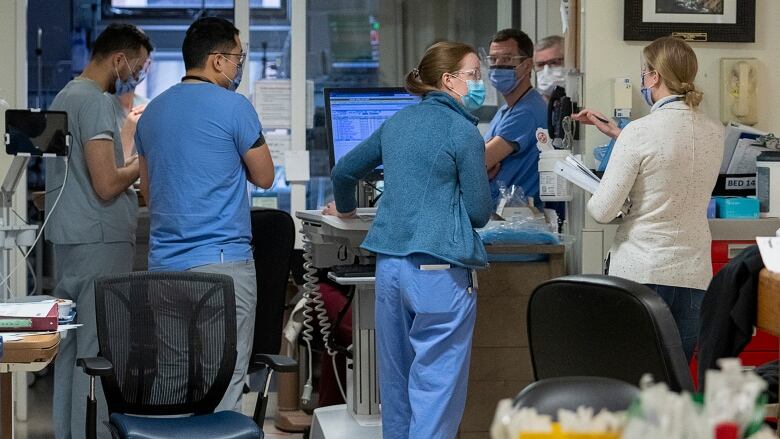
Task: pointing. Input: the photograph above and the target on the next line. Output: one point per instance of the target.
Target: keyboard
(354, 270)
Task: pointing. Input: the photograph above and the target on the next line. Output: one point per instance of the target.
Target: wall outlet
(739, 90)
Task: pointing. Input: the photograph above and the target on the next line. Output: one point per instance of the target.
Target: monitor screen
(353, 114)
(36, 132)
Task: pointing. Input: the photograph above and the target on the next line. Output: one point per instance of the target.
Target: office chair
(167, 347)
(273, 238)
(549, 395)
(596, 325)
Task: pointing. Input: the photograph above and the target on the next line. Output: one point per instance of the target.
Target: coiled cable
(314, 308)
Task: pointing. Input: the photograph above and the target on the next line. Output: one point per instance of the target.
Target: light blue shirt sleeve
(519, 129)
(247, 128)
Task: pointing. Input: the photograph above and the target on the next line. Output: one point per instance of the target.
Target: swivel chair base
(336, 422)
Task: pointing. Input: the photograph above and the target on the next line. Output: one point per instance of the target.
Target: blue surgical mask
(128, 85)
(236, 81)
(475, 97)
(503, 79)
(646, 92)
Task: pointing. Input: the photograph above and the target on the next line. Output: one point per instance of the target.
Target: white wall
(605, 55)
(13, 88)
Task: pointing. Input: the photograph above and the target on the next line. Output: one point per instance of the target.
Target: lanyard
(197, 78)
(676, 98)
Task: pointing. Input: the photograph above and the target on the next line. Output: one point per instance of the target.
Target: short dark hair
(118, 37)
(207, 35)
(524, 42)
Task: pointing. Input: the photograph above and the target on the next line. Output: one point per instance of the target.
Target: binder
(35, 316)
(576, 172)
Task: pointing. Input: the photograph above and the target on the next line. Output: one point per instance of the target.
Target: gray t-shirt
(81, 217)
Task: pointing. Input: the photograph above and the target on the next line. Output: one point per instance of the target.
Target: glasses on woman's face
(475, 73)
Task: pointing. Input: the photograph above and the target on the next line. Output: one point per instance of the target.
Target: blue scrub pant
(424, 323)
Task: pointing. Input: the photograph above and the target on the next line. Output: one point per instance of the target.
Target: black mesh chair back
(549, 395)
(596, 325)
(171, 338)
(273, 238)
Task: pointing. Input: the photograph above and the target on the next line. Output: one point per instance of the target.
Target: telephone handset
(738, 100)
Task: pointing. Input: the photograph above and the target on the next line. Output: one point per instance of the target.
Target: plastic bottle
(726, 430)
(553, 187)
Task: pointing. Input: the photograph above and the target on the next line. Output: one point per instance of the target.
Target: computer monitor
(36, 133)
(353, 114)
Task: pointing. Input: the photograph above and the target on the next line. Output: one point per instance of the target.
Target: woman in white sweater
(663, 166)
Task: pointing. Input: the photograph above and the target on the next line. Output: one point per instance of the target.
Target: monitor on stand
(352, 115)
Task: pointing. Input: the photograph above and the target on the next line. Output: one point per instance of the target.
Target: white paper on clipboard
(577, 173)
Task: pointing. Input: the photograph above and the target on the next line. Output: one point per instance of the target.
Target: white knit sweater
(666, 163)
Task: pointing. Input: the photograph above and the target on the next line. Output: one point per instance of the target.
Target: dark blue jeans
(685, 304)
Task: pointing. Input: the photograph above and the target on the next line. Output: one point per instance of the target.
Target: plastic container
(553, 187)
(737, 207)
(768, 175)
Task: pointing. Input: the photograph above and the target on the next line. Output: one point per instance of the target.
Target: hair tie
(416, 72)
(687, 87)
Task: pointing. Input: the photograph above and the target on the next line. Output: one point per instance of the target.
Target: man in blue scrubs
(198, 143)
(510, 143)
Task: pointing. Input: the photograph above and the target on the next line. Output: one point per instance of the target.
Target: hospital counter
(500, 355)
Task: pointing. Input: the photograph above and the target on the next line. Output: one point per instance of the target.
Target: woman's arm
(352, 167)
(472, 175)
(604, 206)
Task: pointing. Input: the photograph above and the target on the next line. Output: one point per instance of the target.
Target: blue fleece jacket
(436, 187)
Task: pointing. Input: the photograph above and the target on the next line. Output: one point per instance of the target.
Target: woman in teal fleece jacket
(436, 193)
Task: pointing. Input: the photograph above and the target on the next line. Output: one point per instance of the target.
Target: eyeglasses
(505, 60)
(473, 73)
(141, 73)
(241, 56)
(555, 62)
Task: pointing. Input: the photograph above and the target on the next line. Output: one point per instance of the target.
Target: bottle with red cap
(727, 430)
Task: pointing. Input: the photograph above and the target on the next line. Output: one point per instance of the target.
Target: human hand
(493, 171)
(599, 120)
(330, 209)
(132, 159)
(135, 114)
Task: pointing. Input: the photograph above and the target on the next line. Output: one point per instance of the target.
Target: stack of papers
(29, 316)
(576, 172)
(739, 154)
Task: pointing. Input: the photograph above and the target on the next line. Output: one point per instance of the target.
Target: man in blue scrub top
(198, 143)
(510, 143)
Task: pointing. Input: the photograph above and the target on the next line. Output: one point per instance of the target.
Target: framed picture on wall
(692, 20)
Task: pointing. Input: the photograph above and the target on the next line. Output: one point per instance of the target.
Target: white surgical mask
(549, 77)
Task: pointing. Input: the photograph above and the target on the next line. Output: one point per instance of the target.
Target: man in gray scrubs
(93, 225)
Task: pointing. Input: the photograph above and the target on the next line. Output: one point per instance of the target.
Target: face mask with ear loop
(550, 77)
(128, 85)
(504, 78)
(475, 96)
(646, 92)
(234, 83)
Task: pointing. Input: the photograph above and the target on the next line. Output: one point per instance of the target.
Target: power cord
(4, 282)
(315, 308)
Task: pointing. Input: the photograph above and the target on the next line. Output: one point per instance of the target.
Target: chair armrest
(277, 363)
(96, 366)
